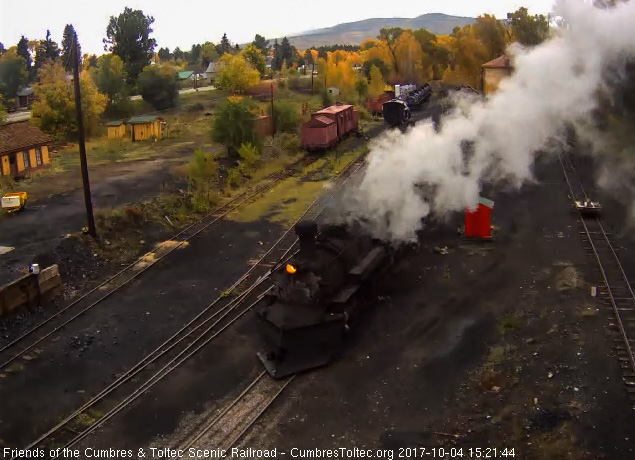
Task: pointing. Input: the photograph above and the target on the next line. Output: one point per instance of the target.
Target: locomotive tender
(303, 320)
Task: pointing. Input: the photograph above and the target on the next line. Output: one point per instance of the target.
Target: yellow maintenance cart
(15, 201)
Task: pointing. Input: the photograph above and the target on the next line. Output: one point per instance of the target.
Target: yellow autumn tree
(466, 56)
(378, 54)
(236, 75)
(409, 57)
(54, 108)
(376, 86)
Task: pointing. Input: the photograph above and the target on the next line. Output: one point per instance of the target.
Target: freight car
(329, 126)
(396, 112)
(375, 104)
(304, 319)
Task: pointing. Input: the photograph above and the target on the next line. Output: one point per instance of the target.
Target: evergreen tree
(261, 43)
(225, 46)
(284, 52)
(164, 54)
(23, 51)
(46, 50)
(195, 53)
(68, 39)
(276, 64)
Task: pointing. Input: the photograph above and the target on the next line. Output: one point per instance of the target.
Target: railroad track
(33, 337)
(616, 291)
(233, 421)
(219, 315)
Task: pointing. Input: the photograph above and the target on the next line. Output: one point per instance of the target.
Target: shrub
(290, 142)
(286, 116)
(248, 154)
(203, 180)
(158, 86)
(233, 178)
(233, 124)
(363, 114)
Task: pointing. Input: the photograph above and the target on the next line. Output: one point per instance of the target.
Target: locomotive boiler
(303, 320)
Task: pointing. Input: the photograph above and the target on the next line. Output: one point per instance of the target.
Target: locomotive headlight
(291, 269)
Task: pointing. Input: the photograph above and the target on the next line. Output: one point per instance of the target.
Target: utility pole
(82, 145)
(312, 72)
(273, 125)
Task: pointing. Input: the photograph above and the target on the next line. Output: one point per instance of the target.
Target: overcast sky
(182, 23)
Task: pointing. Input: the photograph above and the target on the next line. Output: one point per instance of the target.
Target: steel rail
(160, 351)
(276, 178)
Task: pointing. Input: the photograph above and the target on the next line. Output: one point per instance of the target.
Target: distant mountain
(354, 33)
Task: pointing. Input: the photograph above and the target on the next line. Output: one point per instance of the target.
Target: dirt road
(47, 220)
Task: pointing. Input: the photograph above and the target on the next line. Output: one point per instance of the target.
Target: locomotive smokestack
(306, 231)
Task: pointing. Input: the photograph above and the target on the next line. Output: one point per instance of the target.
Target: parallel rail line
(228, 427)
(133, 270)
(219, 315)
(616, 292)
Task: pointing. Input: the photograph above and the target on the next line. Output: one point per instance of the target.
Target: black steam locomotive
(398, 111)
(304, 319)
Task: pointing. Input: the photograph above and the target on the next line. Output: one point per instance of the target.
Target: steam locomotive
(304, 319)
(397, 111)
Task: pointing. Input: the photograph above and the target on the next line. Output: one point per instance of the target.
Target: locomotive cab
(303, 321)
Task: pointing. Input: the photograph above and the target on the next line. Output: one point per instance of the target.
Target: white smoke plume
(552, 84)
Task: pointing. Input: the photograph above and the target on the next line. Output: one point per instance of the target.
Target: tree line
(131, 63)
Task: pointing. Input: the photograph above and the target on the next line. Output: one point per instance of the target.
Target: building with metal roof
(145, 127)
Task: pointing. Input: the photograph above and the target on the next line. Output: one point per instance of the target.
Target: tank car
(396, 112)
(303, 319)
(417, 97)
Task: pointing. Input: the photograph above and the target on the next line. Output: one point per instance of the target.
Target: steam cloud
(553, 84)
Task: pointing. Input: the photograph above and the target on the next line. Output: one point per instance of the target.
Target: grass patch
(508, 324)
(275, 204)
(13, 368)
(87, 419)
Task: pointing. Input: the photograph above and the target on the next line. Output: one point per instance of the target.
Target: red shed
(319, 133)
(478, 222)
(263, 126)
(345, 116)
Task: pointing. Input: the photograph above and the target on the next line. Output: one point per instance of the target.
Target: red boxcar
(319, 133)
(375, 105)
(345, 116)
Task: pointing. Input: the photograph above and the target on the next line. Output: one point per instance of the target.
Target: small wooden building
(494, 71)
(146, 127)
(116, 129)
(263, 125)
(25, 97)
(23, 148)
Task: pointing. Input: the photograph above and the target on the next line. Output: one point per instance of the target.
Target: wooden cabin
(116, 129)
(23, 148)
(146, 127)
